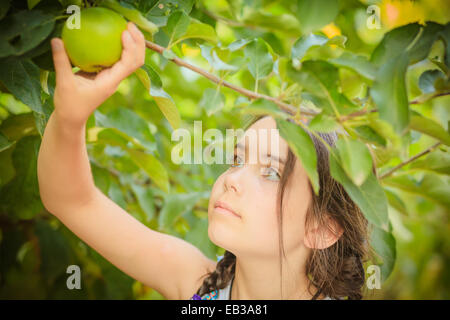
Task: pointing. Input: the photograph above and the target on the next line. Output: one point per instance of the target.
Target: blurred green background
(35, 248)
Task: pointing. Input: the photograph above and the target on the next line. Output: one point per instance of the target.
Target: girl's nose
(233, 181)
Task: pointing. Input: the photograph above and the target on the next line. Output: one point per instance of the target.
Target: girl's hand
(78, 95)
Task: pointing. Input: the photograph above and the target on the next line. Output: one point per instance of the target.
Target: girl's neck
(253, 281)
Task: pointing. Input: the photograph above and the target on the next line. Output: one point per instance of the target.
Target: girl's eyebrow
(279, 160)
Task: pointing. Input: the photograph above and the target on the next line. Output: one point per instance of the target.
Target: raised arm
(163, 262)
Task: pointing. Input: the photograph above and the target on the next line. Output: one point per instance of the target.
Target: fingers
(133, 57)
(86, 75)
(133, 54)
(139, 39)
(61, 61)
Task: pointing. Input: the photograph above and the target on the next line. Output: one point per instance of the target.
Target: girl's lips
(222, 207)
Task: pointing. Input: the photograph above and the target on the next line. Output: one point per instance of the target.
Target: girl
(325, 236)
(266, 217)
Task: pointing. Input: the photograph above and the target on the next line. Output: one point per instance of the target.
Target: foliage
(383, 89)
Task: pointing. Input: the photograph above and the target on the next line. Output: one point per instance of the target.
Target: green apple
(97, 44)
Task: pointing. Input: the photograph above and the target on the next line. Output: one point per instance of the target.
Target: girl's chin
(221, 234)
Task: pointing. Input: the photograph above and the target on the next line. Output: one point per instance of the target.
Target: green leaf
(177, 25)
(313, 15)
(198, 236)
(101, 177)
(306, 42)
(199, 31)
(302, 146)
(385, 130)
(144, 196)
(152, 82)
(129, 123)
(321, 80)
(20, 197)
(16, 127)
(4, 7)
(427, 80)
(131, 13)
(395, 201)
(24, 30)
(432, 187)
(355, 159)
(141, 73)
(369, 197)
(238, 44)
(286, 23)
(55, 252)
(260, 62)
(168, 54)
(214, 61)
(4, 143)
(323, 123)
(154, 169)
(394, 43)
(437, 161)
(32, 3)
(14, 106)
(429, 127)
(357, 63)
(22, 79)
(212, 101)
(41, 119)
(176, 205)
(422, 46)
(116, 195)
(384, 245)
(412, 38)
(389, 93)
(370, 135)
(167, 106)
(113, 137)
(262, 107)
(444, 34)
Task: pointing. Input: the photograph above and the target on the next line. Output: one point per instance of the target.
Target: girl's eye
(272, 174)
(235, 159)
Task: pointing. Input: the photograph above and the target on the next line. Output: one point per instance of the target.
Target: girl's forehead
(266, 122)
(265, 134)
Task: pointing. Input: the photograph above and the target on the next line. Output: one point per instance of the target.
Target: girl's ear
(322, 237)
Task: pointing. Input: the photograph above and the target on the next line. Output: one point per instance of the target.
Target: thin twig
(387, 174)
(292, 110)
(416, 101)
(356, 114)
(440, 94)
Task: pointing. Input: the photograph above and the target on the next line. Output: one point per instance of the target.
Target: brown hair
(336, 271)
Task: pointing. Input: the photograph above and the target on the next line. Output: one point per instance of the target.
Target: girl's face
(250, 189)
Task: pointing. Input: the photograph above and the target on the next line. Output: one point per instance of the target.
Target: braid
(219, 278)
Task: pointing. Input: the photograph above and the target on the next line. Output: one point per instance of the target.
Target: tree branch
(356, 114)
(425, 98)
(418, 100)
(292, 110)
(387, 174)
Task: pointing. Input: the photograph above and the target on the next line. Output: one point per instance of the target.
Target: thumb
(61, 61)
